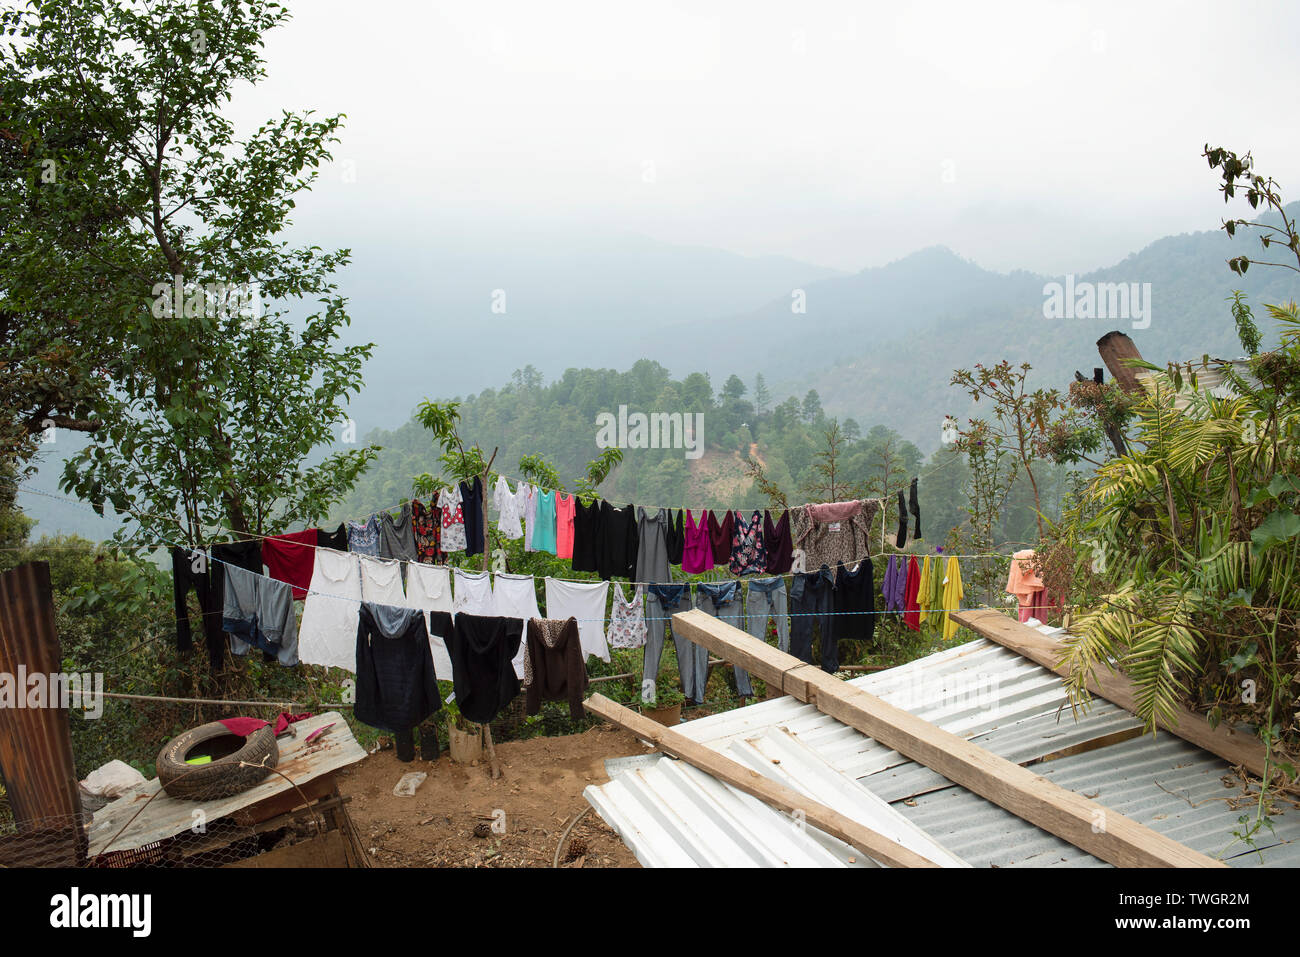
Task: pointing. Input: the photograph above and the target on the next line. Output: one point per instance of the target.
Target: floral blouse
(748, 552)
(627, 627)
(427, 522)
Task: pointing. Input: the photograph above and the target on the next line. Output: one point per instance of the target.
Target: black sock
(901, 540)
(916, 510)
(404, 742)
(429, 749)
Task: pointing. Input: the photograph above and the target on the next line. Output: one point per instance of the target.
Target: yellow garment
(936, 605)
(924, 593)
(952, 596)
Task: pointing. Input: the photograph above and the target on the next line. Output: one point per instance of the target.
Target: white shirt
(516, 597)
(330, 615)
(584, 601)
(428, 587)
(381, 581)
(472, 593)
(509, 509)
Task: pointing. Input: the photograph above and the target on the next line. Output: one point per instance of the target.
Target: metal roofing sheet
(1019, 710)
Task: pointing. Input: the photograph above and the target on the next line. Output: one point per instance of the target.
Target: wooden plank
(1235, 747)
(871, 843)
(323, 850)
(1086, 824)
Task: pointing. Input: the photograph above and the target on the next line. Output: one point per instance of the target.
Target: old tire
(225, 775)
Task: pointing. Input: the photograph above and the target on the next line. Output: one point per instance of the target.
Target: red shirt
(290, 558)
(911, 607)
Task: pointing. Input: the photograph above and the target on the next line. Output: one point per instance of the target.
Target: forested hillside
(787, 436)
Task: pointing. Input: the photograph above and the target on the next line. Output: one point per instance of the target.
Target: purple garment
(894, 587)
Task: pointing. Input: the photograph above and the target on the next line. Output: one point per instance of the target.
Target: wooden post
(1115, 347)
(871, 843)
(488, 745)
(1100, 831)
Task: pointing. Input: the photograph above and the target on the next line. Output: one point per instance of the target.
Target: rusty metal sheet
(36, 742)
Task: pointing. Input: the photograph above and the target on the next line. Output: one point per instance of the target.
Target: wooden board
(1235, 747)
(167, 816)
(323, 850)
(1086, 824)
(871, 843)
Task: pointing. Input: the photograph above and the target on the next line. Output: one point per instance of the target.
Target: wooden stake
(488, 746)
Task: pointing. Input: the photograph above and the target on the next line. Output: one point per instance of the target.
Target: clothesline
(478, 574)
(937, 553)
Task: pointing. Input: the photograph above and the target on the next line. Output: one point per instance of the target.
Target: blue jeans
(661, 603)
(722, 601)
(767, 600)
(810, 600)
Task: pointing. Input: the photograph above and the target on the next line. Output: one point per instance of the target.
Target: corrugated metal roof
(1019, 710)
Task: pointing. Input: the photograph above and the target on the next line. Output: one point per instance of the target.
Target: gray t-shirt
(652, 546)
(397, 535)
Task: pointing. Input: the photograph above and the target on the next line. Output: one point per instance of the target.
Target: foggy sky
(1055, 137)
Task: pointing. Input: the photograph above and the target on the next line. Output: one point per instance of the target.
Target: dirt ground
(536, 798)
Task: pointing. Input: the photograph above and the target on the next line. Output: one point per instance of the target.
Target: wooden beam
(870, 843)
(1235, 747)
(1086, 824)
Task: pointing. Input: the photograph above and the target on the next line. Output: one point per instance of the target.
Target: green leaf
(1281, 526)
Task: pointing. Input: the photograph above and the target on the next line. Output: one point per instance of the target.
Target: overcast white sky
(1056, 137)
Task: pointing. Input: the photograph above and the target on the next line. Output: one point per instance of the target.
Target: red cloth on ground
(290, 558)
(911, 607)
(243, 726)
(284, 719)
(246, 726)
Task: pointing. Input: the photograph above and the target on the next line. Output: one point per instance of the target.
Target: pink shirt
(564, 506)
(697, 555)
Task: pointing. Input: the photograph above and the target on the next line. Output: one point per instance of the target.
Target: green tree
(812, 407)
(208, 406)
(762, 397)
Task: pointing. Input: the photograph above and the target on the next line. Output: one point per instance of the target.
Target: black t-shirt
(586, 536)
(618, 541)
(336, 540)
(471, 503)
(482, 648)
(854, 592)
(676, 537)
(396, 686)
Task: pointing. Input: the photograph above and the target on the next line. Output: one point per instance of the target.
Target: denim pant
(722, 600)
(661, 603)
(810, 600)
(767, 600)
